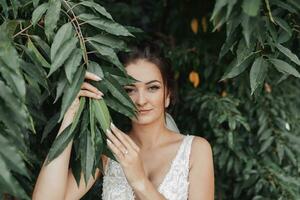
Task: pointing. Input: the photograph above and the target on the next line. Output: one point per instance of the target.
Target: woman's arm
(52, 179)
(201, 175)
(55, 180)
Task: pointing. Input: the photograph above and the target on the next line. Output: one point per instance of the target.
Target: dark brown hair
(151, 52)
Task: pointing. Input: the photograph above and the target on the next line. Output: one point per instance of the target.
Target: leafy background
(236, 64)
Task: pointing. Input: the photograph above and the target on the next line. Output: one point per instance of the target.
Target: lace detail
(174, 185)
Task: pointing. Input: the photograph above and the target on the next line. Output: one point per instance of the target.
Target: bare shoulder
(201, 150)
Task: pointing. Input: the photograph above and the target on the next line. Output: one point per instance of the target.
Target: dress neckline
(172, 162)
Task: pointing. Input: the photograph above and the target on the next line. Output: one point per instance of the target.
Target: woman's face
(148, 94)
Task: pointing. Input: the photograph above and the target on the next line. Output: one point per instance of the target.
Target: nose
(141, 99)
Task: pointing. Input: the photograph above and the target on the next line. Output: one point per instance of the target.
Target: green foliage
(264, 29)
(247, 110)
(45, 54)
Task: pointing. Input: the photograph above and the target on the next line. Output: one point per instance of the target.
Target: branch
(76, 24)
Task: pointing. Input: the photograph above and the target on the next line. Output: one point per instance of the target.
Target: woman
(154, 162)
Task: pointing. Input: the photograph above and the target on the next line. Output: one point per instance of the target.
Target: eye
(153, 88)
(128, 90)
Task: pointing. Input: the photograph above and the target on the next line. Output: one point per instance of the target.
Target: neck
(148, 136)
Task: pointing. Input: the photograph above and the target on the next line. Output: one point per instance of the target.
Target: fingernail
(112, 125)
(98, 78)
(108, 141)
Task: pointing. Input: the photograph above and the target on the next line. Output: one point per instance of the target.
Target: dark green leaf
(72, 90)
(266, 144)
(105, 25)
(59, 144)
(251, 7)
(52, 17)
(63, 35)
(72, 64)
(288, 53)
(284, 67)
(257, 73)
(63, 54)
(38, 13)
(95, 6)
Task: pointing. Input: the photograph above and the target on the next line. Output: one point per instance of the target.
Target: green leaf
(8, 183)
(95, 68)
(42, 46)
(35, 73)
(9, 26)
(71, 91)
(87, 152)
(10, 66)
(116, 105)
(61, 85)
(52, 122)
(63, 54)
(284, 25)
(293, 57)
(257, 73)
(38, 13)
(38, 55)
(109, 54)
(284, 67)
(248, 27)
(99, 147)
(59, 144)
(109, 40)
(218, 6)
(118, 91)
(105, 25)
(63, 35)
(12, 156)
(266, 144)
(52, 17)
(251, 7)
(237, 68)
(102, 114)
(290, 155)
(95, 6)
(78, 113)
(230, 139)
(72, 64)
(92, 120)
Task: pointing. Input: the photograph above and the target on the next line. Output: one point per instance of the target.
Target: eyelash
(128, 90)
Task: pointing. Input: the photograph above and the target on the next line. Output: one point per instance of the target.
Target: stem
(269, 11)
(78, 31)
(22, 30)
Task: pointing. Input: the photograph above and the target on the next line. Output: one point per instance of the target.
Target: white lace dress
(173, 187)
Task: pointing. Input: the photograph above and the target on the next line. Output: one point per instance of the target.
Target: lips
(144, 111)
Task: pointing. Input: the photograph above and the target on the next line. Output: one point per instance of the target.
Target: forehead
(144, 71)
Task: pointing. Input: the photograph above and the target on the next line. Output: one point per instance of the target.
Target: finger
(86, 93)
(122, 137)
(90, 87)
(116, 141)
(91, 76)
(115, 150)
(132, 143)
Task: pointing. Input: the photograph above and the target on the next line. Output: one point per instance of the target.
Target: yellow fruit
(194, 78)
(204, 24)
(268, 88)
(224, 93)
(194, 25)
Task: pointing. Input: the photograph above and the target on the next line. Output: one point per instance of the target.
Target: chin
(145, 119)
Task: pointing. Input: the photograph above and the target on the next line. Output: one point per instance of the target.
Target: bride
(154, 162)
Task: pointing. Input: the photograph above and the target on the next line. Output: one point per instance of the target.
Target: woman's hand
(128, 155)
(87, 90)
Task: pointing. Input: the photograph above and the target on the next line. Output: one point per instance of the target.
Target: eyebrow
(146, 83)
